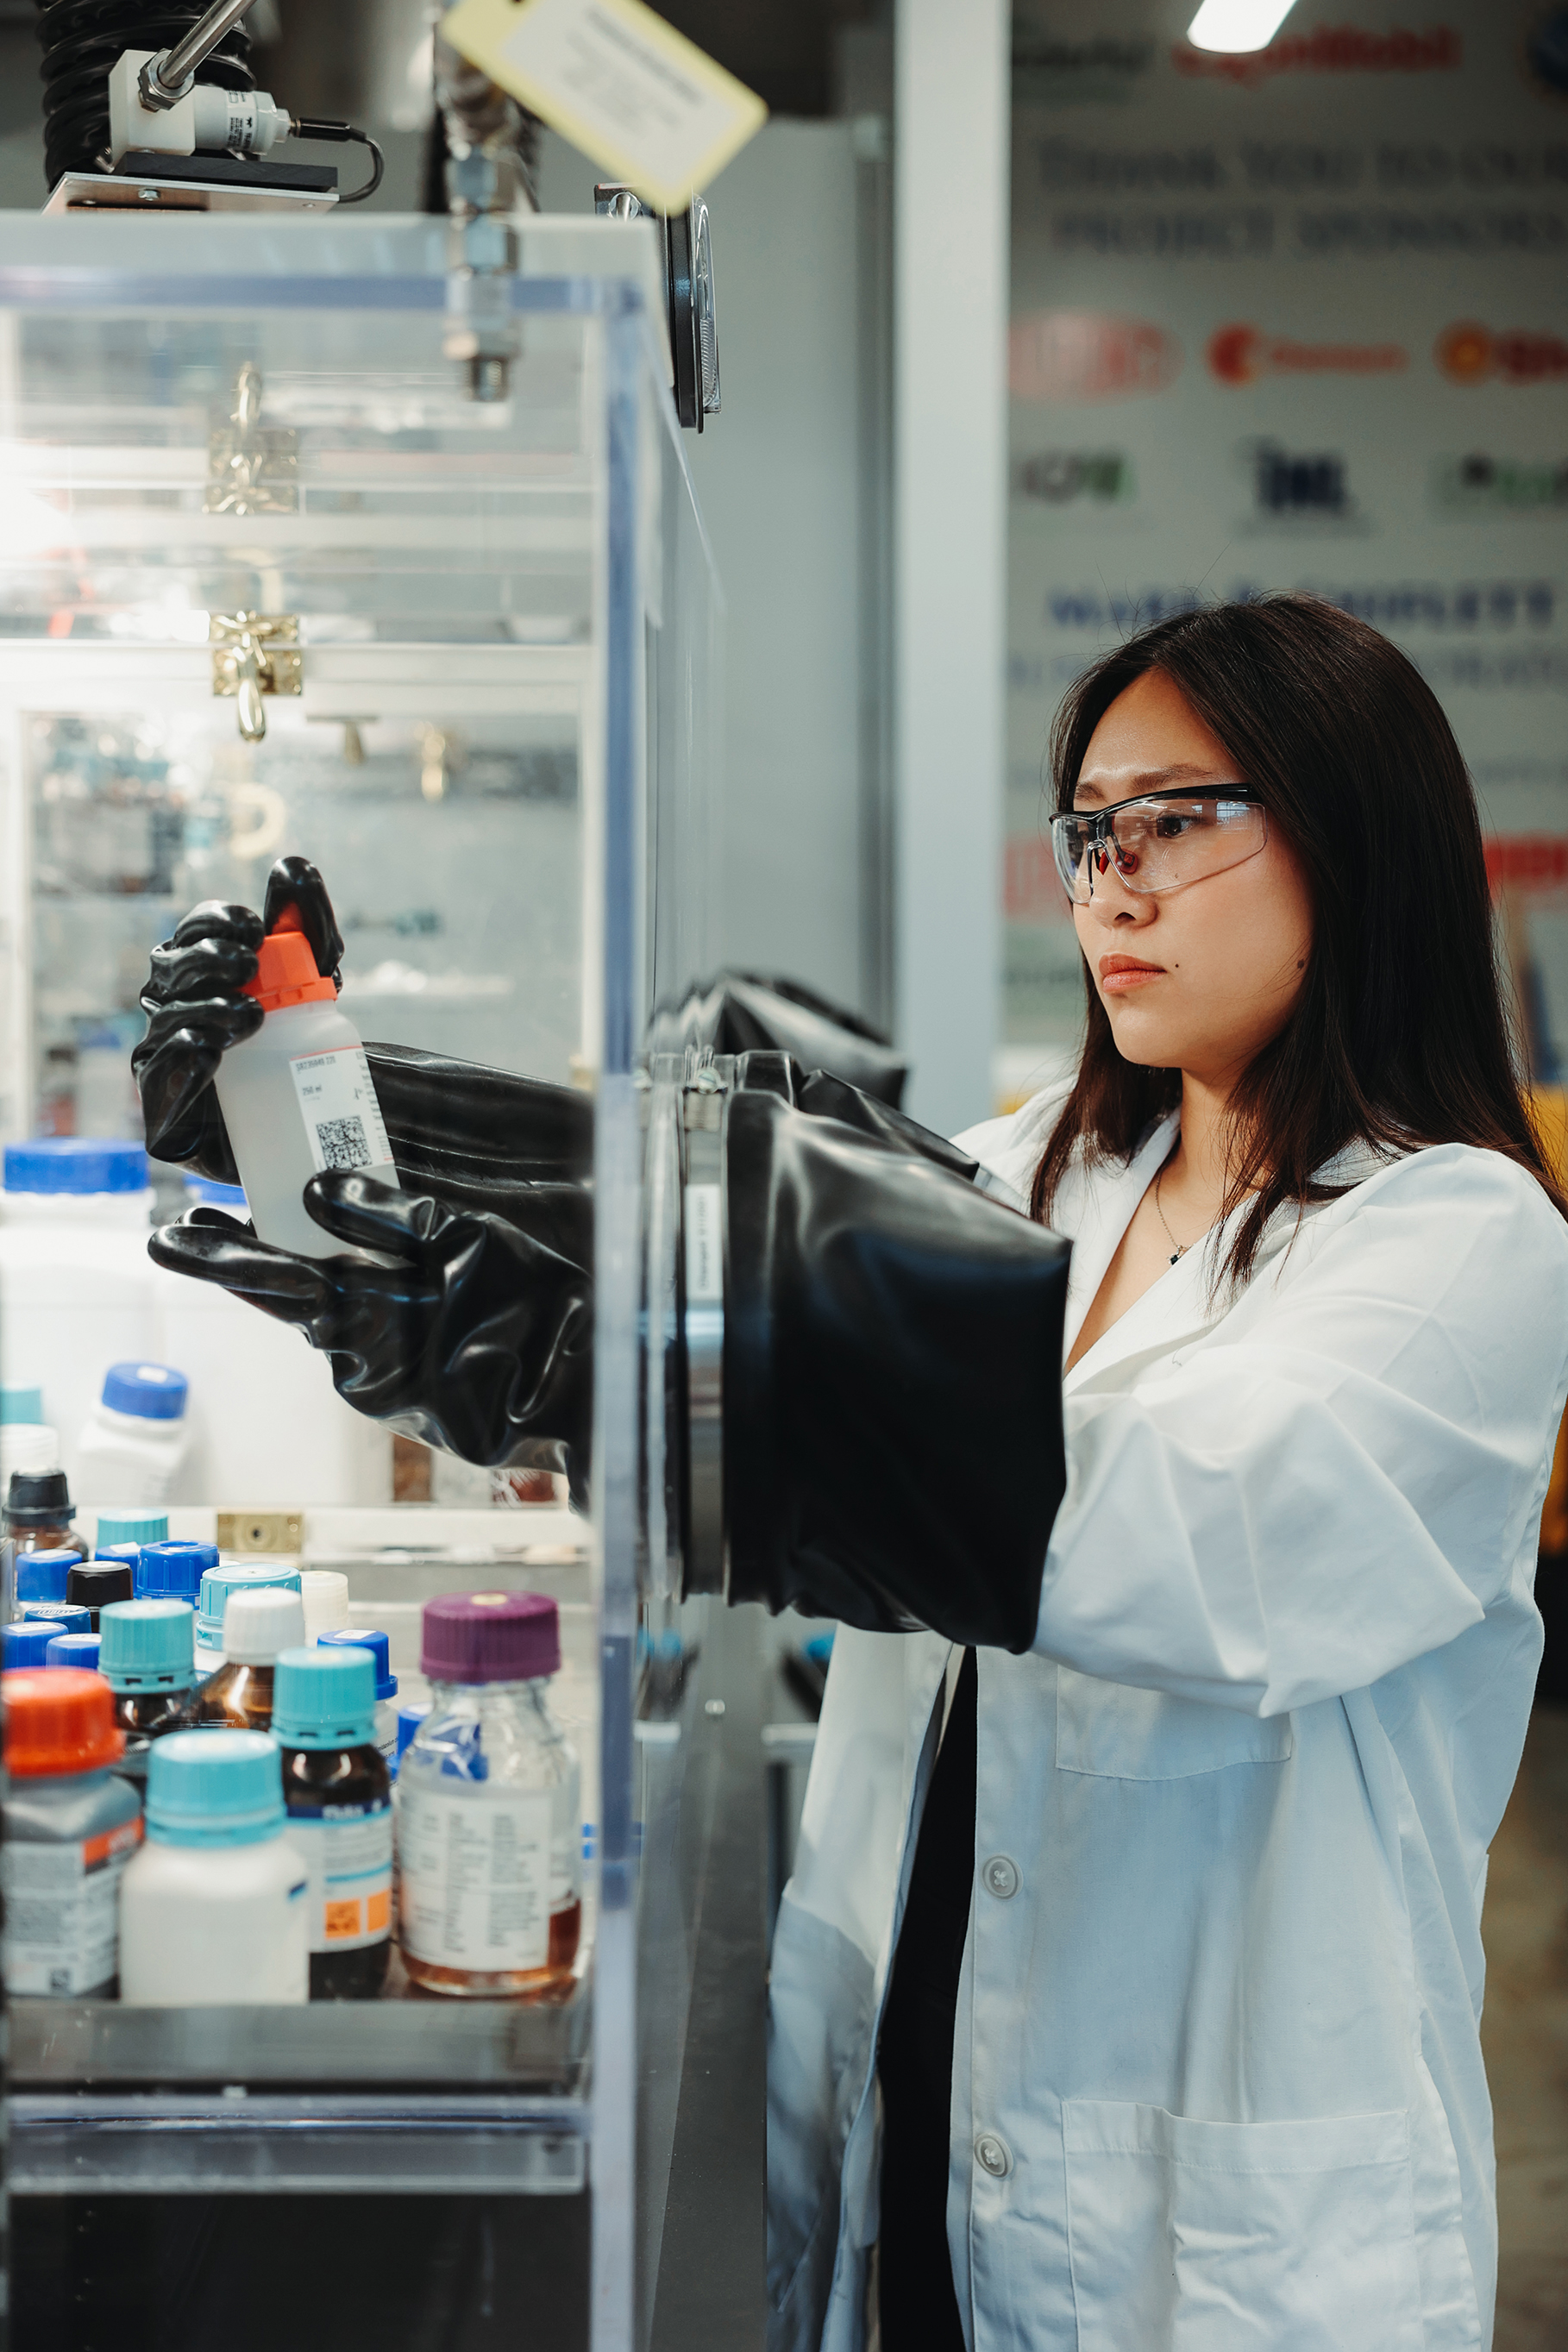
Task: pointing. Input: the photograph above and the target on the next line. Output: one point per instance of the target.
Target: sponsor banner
(1296, 321)
(1329, 49)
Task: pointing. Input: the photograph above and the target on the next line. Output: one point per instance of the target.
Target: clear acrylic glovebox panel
(493, 632)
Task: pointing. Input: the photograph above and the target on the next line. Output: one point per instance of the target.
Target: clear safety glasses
(1161, 841)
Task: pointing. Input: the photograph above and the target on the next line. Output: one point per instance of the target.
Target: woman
(1176, 1985)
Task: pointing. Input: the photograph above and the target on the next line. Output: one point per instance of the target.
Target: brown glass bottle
(38, 1511)
(146, 1716)
(336, 1794)
(237, 1697)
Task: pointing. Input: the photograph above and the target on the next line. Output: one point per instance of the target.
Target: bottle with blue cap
(80, 1291)
(339, 1796)
(148, 1659)
(172, 1569)
(120, 1524)
(136, 1436)
(41, 1575)
(73, 1650)
(27, 1641)
(380, 1647)
(215, 1908)
(60, 1616)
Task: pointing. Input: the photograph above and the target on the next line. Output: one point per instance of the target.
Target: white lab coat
(1218, 2081)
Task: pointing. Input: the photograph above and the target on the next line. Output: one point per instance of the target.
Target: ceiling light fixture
(1237, 26)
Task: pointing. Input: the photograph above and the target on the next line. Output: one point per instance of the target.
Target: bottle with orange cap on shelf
(72, 1826)
(297, 1097)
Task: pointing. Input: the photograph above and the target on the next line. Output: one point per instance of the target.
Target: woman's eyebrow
(1147, 780)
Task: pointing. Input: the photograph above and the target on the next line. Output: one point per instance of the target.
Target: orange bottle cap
(58, 1719)
(285, 969)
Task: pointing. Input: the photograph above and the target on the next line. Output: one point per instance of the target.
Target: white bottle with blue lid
(214, 1909)
(133, 1442)
(77, 1290)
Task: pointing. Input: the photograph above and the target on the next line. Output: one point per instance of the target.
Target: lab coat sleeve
(1344, 1473)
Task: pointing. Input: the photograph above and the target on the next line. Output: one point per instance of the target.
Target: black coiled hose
(82, 40)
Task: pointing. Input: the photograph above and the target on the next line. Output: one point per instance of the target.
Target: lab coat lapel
(1094, 1217)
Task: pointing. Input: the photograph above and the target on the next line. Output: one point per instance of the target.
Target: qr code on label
(344, 1143)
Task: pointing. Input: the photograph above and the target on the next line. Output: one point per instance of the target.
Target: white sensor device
(207, 121)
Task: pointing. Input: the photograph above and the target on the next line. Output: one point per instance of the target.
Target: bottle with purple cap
(489, 1807)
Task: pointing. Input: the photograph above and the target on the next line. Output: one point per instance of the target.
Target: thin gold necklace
(1178, 1249)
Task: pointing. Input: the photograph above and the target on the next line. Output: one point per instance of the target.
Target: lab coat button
(1001, 1877)
(994, 2155)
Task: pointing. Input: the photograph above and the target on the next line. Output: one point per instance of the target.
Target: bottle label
(347, 1850)
(343, 1124)
(62, 1911)
(475, 1878)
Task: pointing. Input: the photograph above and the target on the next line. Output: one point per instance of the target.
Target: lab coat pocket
(1120, 1732)
(1209, 2237)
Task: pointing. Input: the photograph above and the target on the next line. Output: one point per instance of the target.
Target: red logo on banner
(1472, 354)
(1330, 48)
(1242, 354)
(1087, 355)
(1534, 863)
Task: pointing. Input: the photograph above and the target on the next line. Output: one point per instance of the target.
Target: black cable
(315, 127)
(81, 40)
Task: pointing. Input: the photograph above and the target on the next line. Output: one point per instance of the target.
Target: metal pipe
(167, 79)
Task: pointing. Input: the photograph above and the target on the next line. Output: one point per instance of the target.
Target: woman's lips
(1119, 974)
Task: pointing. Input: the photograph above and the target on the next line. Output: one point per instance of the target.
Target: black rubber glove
(893, 1440)
(475, 1137)
(477, 1338)
(743, 1013)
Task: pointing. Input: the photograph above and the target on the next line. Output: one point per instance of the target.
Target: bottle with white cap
(256, 1624)
(325, 1593)
(218, 1578)
(134, 1439)
(218, 1910)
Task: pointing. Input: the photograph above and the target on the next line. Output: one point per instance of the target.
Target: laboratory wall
(781, 480)
(1295, 320)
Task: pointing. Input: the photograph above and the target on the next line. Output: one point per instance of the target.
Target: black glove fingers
(369, 1215)
(295, 882)
(198, 967)
(219, 919)
(295, 1290)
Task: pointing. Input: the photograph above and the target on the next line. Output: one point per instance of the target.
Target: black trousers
(918, 2304)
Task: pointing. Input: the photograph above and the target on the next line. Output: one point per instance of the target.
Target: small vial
(212, 1908)
(380, 1648)
(91, 1587)
(339, 1796)
(298, 1096)
(256, 1624)
(71, 1827)
(146, 1657)
(489, 1812)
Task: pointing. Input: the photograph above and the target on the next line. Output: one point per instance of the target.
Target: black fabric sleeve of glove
(894, 1449)
(822, 1096)
(474, 1335)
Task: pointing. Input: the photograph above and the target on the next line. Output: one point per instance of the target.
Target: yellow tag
(635, 95)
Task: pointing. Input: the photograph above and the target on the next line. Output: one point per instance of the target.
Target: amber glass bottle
(339, 1795)
(256, 1625)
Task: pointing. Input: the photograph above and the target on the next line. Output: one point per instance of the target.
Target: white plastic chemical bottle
(296, 1097)
(134, 1439)
(217, 1911)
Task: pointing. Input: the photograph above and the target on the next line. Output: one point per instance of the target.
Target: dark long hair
(1400, 1035)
